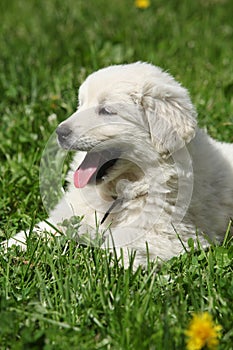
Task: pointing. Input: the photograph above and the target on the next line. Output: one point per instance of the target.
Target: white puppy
(143, 168)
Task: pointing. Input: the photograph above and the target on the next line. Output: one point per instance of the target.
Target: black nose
(63, 131)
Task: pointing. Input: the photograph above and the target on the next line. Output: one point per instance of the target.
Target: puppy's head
(122, 107)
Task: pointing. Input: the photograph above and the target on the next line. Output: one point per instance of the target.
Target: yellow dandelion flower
(142, 4)
(202, 332)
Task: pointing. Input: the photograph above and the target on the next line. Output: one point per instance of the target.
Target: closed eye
(106, 111)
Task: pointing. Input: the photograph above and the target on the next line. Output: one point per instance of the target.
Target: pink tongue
(85, 171)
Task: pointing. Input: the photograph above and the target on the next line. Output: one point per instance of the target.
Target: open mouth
(94, 167)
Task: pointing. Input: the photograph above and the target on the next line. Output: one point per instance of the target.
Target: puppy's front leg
(20, 239)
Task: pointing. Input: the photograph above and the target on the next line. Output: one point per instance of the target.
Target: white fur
(173, 178)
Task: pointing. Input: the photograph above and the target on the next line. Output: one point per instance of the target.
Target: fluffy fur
(170, 177)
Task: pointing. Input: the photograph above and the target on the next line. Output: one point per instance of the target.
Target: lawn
(60, 295)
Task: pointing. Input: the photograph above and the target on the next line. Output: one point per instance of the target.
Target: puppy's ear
(171, 116)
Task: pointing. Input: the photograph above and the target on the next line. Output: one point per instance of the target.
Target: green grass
(58, 295)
